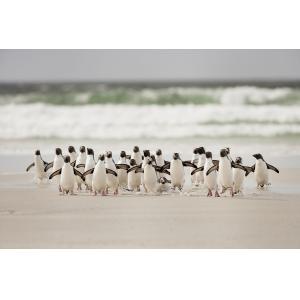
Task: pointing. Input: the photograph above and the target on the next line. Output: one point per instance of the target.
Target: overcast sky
(152, 65)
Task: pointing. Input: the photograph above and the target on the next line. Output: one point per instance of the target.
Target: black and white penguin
(80, 165)
(66, 173)
(39, 165)
(261, 172)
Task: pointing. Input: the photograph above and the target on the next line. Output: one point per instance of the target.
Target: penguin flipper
(80, 166)
(197, 170)
(272, 168)
(132, 169)
(238, 166)
(48, 166)
(122, 166)
(213, 168)
(248, 170)
(73, 163)
(30, 166)
(57, 172)
(110, 171)
(166, 166)
(157, 168)
(90, 171)
(166, 172)
(188, 163)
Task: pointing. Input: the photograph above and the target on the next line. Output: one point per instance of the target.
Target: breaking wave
(108, 121)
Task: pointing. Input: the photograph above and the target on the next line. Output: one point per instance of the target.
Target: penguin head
(123, 154)
(90, 151)
(108, 154)
(195, 151)
(162, 180)
(101, 157)
(67, 159)
(71, 149)
(258, 156)
(146, 153)
(58, 151)
(201, 150)
(82, 149)
(223, 152)
(37, 152)
(227, 150)
(208, 154)
(176, 156)
(132, 162)
(153, 158)
(149, 161)
(158, 152)
(238, 160)
(136, 149)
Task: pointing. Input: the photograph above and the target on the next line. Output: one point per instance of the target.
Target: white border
(149, 274)
(149, 24)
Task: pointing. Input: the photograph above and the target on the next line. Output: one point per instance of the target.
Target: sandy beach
(38, 217)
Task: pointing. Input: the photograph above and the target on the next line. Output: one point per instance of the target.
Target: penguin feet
(103, 193)
(231, 192)
(217, 194)
(116, 192)
(209, 194)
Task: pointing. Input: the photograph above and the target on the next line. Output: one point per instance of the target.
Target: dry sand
(37, 217)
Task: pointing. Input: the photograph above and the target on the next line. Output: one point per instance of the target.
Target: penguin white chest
(238, 179)
(210, 180)
(261, 172)
(177, 173)
(134, 180)
(39, 168)
(225, 172)
(67, 178)
(150, 179)
(99, 178)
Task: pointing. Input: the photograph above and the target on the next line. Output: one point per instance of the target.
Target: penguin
(80, 164)
(177, 171)
(146, 158)
(89, 164)
(134, 176)
(224, 166)
(136, 155)
(99, 176)
(150, 177)
(210, 180)
(57, 164)
(112, 180)
(159, 159)
(163, 185)
(122, 168)
(260, 170)
(201, 162)
(73, 155)
(66, 176)
(39, 165)
(194, 160)
(238, 177)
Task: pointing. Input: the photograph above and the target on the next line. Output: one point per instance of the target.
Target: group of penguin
(150, 171)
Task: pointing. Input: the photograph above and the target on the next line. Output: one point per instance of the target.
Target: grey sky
(152, 65)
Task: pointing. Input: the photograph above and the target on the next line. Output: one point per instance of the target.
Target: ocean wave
(240, 95)
(149, 121)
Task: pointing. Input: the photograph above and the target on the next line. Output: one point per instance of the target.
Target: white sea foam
(147, 121)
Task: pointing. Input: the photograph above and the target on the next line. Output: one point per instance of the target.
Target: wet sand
(38, 217)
